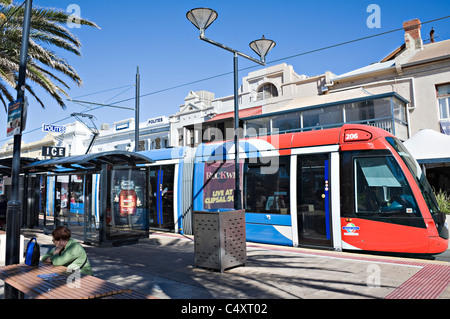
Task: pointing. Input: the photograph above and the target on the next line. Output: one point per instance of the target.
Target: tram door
(162, 197)
(313, 200)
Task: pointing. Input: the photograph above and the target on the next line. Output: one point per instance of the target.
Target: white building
(261, 91)
(153, 134)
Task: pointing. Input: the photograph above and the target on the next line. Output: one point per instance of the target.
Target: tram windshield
(416, 171)
(381, 188)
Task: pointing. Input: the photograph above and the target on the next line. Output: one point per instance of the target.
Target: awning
(88, 162)
(242, 113)
(428, 146)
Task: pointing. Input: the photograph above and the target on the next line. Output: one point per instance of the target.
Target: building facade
(120, 136)
(204, 118)
(407, 91)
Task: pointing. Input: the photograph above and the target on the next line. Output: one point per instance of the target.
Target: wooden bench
(61, 284)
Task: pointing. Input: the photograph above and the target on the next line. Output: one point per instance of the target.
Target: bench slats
(25, 278)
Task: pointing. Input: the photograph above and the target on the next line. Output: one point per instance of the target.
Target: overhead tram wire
(353, 41)
(100, 105)
(83, 105)
(281, 59)
(107, 90)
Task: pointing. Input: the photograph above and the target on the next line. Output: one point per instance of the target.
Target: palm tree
(47, 29)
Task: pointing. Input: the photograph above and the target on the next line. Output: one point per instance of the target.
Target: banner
(14, 124)
(219, 185)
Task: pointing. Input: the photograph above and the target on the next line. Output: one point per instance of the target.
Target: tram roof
(165, 153)
(88, 162)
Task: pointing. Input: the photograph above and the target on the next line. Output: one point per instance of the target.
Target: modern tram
(355, 187)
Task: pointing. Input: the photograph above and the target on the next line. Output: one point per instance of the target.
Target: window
(266, 185)
(443, 95)
(180, 137)
(266, 91)
(142, 145)
(381, 188)
(286, 122)
(416, 171)
(257, 127)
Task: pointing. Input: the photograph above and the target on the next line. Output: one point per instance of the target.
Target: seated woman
(67, 252)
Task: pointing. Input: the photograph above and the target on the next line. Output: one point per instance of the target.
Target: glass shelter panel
(76, 211)
(91, 208)
(126, 215)
(49, 218)
(62, 200)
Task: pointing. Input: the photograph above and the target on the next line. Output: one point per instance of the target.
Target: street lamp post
(202, 18)
(14, 205)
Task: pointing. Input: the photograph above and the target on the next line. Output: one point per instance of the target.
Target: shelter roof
(88, 162)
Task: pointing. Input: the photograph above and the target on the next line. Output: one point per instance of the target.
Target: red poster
(127, 203)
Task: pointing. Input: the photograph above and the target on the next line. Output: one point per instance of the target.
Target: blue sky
(156, 36)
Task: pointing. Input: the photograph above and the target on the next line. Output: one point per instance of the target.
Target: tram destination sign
(53, 128)
(53, 151)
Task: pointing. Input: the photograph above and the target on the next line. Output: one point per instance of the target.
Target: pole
(13, 209)
(237, 194)
(136, 116)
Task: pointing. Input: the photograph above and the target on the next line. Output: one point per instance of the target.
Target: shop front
(101, 197)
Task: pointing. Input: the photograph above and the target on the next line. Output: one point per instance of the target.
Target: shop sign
(157, 120)
(53, 128)
(53, 151)
(123, 126)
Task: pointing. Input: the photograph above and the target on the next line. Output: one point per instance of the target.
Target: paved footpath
(163, 266)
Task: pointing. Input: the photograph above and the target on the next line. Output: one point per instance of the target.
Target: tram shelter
(28, 191)
(101, 197)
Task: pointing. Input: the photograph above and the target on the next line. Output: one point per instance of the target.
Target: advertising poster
(14, 124)
(219, 181)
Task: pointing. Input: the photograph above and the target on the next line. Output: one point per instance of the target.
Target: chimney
(412, 34)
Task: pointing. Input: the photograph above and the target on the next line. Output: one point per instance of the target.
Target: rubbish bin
(219, 239)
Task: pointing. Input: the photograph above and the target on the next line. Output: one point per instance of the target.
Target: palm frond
(48, 30)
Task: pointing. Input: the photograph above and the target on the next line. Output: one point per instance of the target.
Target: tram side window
(381, 188)
(266, 185)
